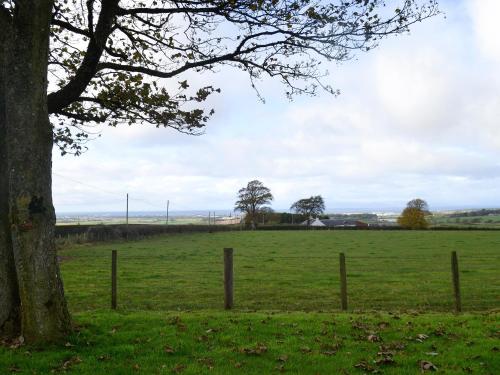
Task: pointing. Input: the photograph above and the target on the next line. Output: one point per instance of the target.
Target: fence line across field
(228, 276)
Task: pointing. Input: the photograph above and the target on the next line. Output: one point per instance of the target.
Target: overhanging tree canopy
(113, 62)
(106, 56)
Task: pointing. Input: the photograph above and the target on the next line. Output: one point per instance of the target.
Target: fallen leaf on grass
(168, 349)
(439, 331)
(365, 366)
(257, 350)
(395, 345)
(173, 321)
(359, 325)
(331, 347)
(427, 366)
(176, 321)
(421, 337)
(70, 363)
(213, 330)
(136, 367)
(374, 338)
(238, 365)
(305, 349)
(283, 358)
(385, 360)
(383, 325)
(209, 362)
(14, 368)
(178, 368)
(280, 368)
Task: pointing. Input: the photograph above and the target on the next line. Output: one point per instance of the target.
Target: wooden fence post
(228, 278)
(343, 282)
(456, 281)
(113, 279)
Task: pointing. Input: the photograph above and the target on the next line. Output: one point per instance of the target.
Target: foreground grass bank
(288, 271)
(266, 343)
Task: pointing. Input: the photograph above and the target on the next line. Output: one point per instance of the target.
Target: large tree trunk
(28, 147)
(10, 325)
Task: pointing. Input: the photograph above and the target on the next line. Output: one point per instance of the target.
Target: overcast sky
(417, 117)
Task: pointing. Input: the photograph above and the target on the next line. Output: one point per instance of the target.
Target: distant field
(289, 271)
(133, 220)
(487, 221)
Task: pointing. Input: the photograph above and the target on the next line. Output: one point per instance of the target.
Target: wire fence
(306, 283)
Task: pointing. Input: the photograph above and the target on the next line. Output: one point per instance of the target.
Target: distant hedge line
(136, 231)
(132, 231)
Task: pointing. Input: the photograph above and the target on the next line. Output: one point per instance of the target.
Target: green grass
(289, 271)
(170, 318)
(260, 343)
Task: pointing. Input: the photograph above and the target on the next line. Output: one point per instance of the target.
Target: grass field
(286, 319)
(258, 343)
(485, 221)
(289, 271)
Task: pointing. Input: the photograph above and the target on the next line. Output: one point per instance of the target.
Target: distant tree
(289, 218)
(266, 214)
(251, 200)
(414, 216)
(419, 204)
(309, 207)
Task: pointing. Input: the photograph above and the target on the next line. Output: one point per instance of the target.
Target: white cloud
(484, 15)
(420, 116)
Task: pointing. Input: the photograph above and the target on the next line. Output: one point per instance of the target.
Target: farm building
(335, 223)
(339, 223)
(313, 223)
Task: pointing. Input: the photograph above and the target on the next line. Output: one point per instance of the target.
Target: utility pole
(209, 213)
(168, 204)
(126, 217)
(126, 220)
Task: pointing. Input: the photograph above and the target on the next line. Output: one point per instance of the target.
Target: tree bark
(28, 148)
(10, 325)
